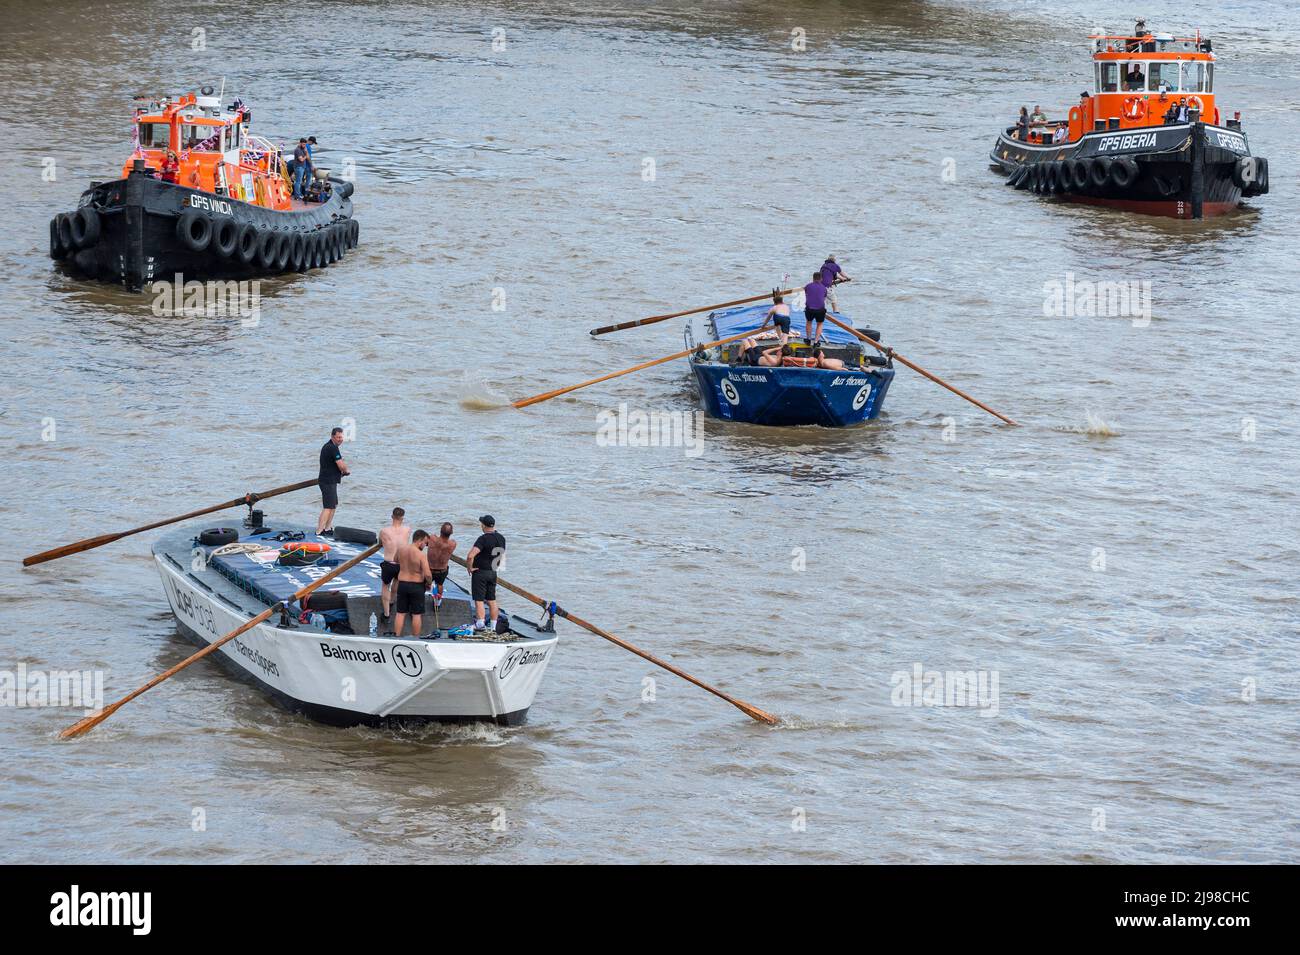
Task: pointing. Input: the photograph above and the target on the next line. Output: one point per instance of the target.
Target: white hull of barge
(349, 680)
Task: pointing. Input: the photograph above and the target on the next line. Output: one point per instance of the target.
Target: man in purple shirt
(814, 307)
(832, 274)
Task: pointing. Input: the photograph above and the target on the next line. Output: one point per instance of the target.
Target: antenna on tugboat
(918, 369)
(93, 542)
(690, 311)
(753, 712)
(90, 722)
(545, 396)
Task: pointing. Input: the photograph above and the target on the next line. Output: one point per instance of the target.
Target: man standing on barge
(332, 469)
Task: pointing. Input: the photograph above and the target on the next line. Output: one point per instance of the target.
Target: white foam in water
(476, 394)
(1094, 426)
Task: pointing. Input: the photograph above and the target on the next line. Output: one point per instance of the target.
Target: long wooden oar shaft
(546, 396)
(918, 369)
(753, 712)
(82, 726)
(690, 311)
(99, 541)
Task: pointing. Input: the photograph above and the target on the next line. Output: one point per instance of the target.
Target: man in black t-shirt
(332, 469)
(483, 560)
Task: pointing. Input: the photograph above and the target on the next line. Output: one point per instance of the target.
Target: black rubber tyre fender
(316, 250)
(344, 188)
(299, 256)
(247, 243)
(218, 536)
(65, 230)
(1081, 175)
(340, 240)
(194, 229)
(84, 224)
(57, 251)
(267, 249)
(225, 236)
(1099, 174)
(1123, 172)
(283, 251)
(1064, 179)
(356, 232)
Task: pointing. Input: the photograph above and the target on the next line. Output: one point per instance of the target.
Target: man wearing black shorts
(392, 537)
(332, 469)
(413, 579)
(814, 310)
(483, 560)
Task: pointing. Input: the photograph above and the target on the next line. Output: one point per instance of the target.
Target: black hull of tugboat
(1186, 171)
(139, 230)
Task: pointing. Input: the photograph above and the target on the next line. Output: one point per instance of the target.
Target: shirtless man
(833, 364)
(392, 537)
(440, 550)
(413, 579)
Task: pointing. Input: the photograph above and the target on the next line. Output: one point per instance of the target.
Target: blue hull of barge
(791, 396)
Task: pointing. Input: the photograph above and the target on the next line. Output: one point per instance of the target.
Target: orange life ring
(306, 547)
(1135, 108)
(1200, 103)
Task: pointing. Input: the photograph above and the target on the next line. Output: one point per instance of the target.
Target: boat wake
(477, 394)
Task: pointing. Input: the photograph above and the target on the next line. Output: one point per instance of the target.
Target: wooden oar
(76, 729)
(753, 712)
(525, 402)
(917, 368)
(93, 542)
(690, 311)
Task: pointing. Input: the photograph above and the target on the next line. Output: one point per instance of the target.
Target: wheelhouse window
(155, 135)
(1198, 77)
(202, 138)
(1135, 77)
(1107, 77)
(1162, 76)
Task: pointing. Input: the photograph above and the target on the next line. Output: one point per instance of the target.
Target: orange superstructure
(192, 142)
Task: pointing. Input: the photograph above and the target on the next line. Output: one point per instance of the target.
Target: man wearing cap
(483, 560)
(831, 274)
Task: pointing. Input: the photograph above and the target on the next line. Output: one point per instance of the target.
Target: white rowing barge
(340, 674)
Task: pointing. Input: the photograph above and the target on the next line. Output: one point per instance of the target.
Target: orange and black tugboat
(203, 197)
(1147, 138)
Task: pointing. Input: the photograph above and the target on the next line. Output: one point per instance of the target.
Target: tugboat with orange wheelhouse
(1149, 136)
(203, 197)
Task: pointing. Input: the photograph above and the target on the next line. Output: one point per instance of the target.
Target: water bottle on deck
(374, 625)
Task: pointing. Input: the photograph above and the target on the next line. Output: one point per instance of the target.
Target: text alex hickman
(103, 908)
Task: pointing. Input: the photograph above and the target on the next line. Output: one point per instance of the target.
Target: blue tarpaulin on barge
(260, 575)
(733, 321)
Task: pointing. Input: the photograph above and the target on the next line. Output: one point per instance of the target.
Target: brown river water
(1123, 564)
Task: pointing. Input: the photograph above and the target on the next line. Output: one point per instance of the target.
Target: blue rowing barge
(733, 390)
